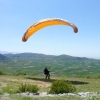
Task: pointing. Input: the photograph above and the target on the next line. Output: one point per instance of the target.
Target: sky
(17, 15)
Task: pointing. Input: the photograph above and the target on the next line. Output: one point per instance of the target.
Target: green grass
(9, 84)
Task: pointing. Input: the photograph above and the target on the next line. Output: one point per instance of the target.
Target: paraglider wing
(46, 22)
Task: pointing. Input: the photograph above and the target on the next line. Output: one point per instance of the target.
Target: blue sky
(17, 15)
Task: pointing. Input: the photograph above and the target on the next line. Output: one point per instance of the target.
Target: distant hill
(3, 58)
(27, 55)
(34, 63)
(5, 52)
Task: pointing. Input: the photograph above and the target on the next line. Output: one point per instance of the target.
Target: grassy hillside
(62, 65)
(9, 84)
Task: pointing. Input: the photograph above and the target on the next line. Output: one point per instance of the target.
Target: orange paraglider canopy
(46, 22)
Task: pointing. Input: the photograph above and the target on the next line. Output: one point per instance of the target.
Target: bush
(9, 89)
(2, 73)
(60, 86)
(28, 88)
(88, 77)
(97, 77)
(21, 73)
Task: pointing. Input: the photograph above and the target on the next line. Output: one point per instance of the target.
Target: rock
(51, 95)
(31, 94)
(84, 94)
(62, 94)
(27, 93)
(72, 94)
(6, 94)
(36, 93)
(43, 94)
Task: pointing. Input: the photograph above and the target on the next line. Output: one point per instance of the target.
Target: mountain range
(6, 52)
(34, 63)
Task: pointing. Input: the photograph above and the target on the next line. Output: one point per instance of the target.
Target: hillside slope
(3, 58)
(33, 63)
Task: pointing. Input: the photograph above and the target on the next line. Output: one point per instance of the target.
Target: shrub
(60, 86)
(97, 77)
(2, 73)
(88, 77)
(21, 73)
(9, 89)
(28, 88)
